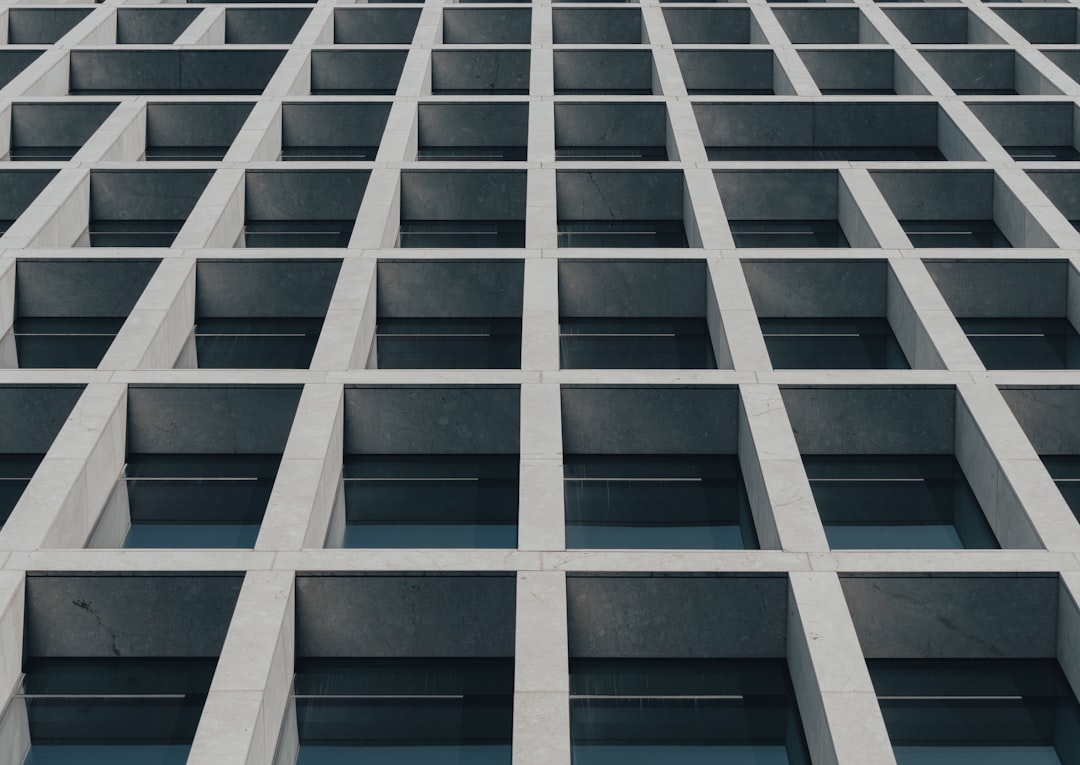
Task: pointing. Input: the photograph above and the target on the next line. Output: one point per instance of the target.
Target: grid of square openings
(412, 297)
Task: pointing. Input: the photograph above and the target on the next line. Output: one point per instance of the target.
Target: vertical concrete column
(797, 75)
(1072, 293)
(938, 340)
(541, 59)
(540, 315)
(541, 519)
(782, 503)
(379, 216)
(348, 332)
(293, 75)
(47, 75)
(416, 73)
(8, 355)
(253, 679)
(14, 725)
(318, 27)
(59, 216)
(541, 671)
(208, 28)
(837, 702)
(217, 219)
(121, 137)
(99, 28)
(1027, 216)
(541, 209)
(732, 320)
(906, 322)
(298, 513)
(259, 140)
(161, 322)
(5, 128)
(64, 499)
(1068, 628)
(705, 219)
(864, 214)
(401, 136)
(1017, 495)
(667, 75)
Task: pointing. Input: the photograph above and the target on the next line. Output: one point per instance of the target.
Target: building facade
(540, 383)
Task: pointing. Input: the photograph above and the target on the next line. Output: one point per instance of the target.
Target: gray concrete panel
(871, 420)
(676, 616)
(401, 615)
(631, 420)
(954, 617)
(140, 616)
(431, 420)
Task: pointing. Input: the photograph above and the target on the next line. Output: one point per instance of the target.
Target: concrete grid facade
(68, 590)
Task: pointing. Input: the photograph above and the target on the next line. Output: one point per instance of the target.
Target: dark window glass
(329, 153)
(472, 153)
(686, 711)
(606, 91)
(659, 502)
(298, 233)
(788, 233)
(404, 711)
(1024, 343)
(448, 343)
(633, 343)
(185, 153)
(16, 470)
(622, 233)
(832, 344)
(42, 153)
(134, 233)
(431, 500)
(1065, 470)
(115, 711)
(611, 153)
(1043, 153)
(728, 91)
(954, 233)
(353, 91)
(64, 343)
(462, 233)
(479, 91)
(263, 343)
(853, 91)
(977, 711)
(821, 153)
(872, 501)
(197, 500)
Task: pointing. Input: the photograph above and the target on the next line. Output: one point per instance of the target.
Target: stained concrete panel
(145, 194)
(210, 419)
(619, 195)
(472, 124)
(1049, 416)
(1005, 288)
(277, 287)
(463, 195)
(624, 288)
(445, 288)
(152, 26)
(56, 123)
(74, 288)
(303, 194)
(653, 420)
(31, 416)
(676, 616)
(954, 617)
(850, 420)
(42, 26)
(778, 195)
(817, 288)
(213, 123)
(18, 188)
(131, 616)
(432, 420)
(172, 71)
(434, 615)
